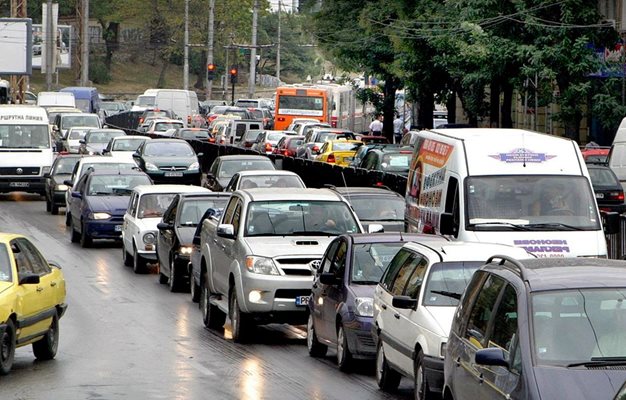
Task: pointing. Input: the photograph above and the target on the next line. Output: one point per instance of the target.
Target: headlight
(91, 153)
(364, 306)
(194, 166)
(151, 167)
(61, 187)
(100, 215)
(149, 238)
(261, 265)
(185, 250)
(46, 170)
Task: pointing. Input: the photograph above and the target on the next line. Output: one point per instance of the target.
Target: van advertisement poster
(427, 180)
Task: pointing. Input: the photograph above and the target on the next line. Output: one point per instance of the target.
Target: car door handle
(481, 378)
(396, 316)
(383, 306)
(39, 289)
(214, 240)
(53, 284)
(458, 361)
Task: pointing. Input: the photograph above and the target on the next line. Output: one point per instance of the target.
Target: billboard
(16, 42)
(63, 52)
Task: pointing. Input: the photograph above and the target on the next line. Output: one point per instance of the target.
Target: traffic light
(211, 71)
(233, 75)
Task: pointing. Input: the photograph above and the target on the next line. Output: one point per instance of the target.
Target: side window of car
(394, 266)
(214, 168)
(169, 216)
(24, 267)
(414, 286)
(38, 263)
(404, 273)
(338, 264)
(482, 310)
(329, 256)
(132, 207)
(237, 217)
(230, 209)
(465, 305)
(82, 183)
(504, 327)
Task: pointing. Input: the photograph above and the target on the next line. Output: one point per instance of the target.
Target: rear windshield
(102, 137)
(69, 121)
(346, 146)
(447, 281)
(603, 177)
(395, 162)
(230, 168)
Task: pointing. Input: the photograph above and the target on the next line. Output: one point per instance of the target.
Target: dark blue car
(98, 205)
(341, 303)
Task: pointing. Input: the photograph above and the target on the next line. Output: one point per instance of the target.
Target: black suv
(540, 329)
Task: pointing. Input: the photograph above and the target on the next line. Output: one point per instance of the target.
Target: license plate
(176, 174)
(118, 228)
(19, 184)
(599, 195)
(302, 300)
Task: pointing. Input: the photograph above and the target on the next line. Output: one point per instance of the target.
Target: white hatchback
(145, 210)
(123, 147)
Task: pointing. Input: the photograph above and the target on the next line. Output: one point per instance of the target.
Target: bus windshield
(24, 137)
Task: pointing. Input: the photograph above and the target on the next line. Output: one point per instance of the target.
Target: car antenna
(524, 147)
(345, 184)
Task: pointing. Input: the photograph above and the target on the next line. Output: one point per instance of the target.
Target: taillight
(268, 147)
(212, 118)
(247, 144)
(140, 121)
(331, 158)
(315, 148)
(286, 152)
(211, 140)
(616, 196)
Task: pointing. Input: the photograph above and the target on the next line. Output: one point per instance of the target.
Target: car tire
(212, 316)
(240, 322)
(85, 239)
(46, 347)
(139, 263)
(194, 289)
(316, 349)
(126, 257)
(7, 348)
(344, 357)
(422, 391)
(54, 209)
(68, 218)
(74, 235)
(386, 378)
(174, 280)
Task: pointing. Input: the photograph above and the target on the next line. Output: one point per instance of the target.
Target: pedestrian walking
(398, 124)
(376, 127)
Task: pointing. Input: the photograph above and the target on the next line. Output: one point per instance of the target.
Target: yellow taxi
(339, 152)
(32, 299)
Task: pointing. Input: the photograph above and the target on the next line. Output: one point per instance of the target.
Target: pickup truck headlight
(61, 187)
(364, 306)
(45, 170)
(261, 265)
(195, 166)
(100, 215)
(151, 167)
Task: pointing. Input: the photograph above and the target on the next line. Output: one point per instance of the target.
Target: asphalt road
(124, 336)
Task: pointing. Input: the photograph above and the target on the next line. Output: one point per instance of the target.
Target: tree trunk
(427, 107)
(494, 103)
(507, 104)
(389, 107)
(161, 81)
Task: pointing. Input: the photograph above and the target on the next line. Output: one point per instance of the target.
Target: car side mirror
(196, 240)
(491, 356)
(82, 141)
(610, 221)
(163, 226)
(404, 302)
(447, 225)
(105, 151)
(68, 182)
(47, 175)
(375, 228)
(30, 279)
(77, 195)
(330, 279)
(226, 231)
(136, 155)
(54, 264)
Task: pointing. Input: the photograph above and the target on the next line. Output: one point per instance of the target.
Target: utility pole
(50, 46)
(252, 77)
(209, 54)
(278, 44)
(84, 71)
(186, 50)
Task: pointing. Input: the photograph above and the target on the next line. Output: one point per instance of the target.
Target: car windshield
(535, 202)
(370, 261)
(24, 137)
(345, 146)
(572, 326)
(163, 126)
(299, 218)
(294, 143)
(69, 121)
(102, 137)
(115, 185)
(131, 144)
(274, 137)
(77, 134)
(246, 103)
(5, 265)
(153, 205)
(146, 101)
(447, 281)
(603, 177)
(195, 133)
(194, 209)
(256, 114)
(377, 208)
(251, 136)
(230, 168)
(100, 166)
(65, 165)
(168, 149)
(395, 162)
(266, 181)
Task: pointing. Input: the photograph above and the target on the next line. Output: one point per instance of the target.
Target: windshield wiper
(555, 225)
(447, 294)
(600, 362)
(312, 233)
(365, 282)
(507, 224)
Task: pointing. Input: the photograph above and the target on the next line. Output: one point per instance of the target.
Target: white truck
(259, 258)
(26, 153)
(506, 186)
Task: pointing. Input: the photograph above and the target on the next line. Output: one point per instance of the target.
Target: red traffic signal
(233, 71)
(233, 75)
(211, 71)
(211, 67)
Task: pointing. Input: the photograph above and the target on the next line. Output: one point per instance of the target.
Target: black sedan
(169, 161)
(608, 190)
(174, 241)
(224, 167)
(376, 206)
(55, 188)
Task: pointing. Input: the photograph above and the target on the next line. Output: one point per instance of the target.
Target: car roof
(7, 237)
(175, 189)
(568, 273)
(390, 237)
(271, 194)
(362, 190)
(263, 172)
(105, 130)
(117, 172)
(209, 194)
(468, 251)
(105, 160)
(243, 157)
(132, 137)
(168, 140)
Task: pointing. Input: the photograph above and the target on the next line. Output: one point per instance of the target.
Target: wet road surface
(125, 336)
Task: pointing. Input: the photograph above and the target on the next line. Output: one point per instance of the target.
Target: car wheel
(48, 205)
(46, 347)
(174, 279)
(126, 258)
(139, 263)
(316, 349)
(422, 392)
(344, 357)
(7, 348)
(74, 235)
(239, 321)
(386, 378)
(54, 209)
(85, 239)
(212, 316)
(194, 289)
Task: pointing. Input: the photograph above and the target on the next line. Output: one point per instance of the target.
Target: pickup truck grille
(291, 293)
(23, 171)
(303, 266)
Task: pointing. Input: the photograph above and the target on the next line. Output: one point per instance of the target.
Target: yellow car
(32, 299)
(339, 152)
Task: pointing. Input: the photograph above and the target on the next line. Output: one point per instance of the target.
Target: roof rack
(510, 263)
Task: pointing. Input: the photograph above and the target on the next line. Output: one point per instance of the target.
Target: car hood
(95, 147)
(185, 234)
(148, 224)
(4, 286)
(442, 316)
(272, 246)
(578, 383)
(115, 205)
(363, 290)
(174, 161)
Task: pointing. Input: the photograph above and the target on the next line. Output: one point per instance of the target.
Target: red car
(287, 145)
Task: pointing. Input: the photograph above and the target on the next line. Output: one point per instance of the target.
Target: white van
(184, 103)
(25, 149)
(504, 186)
(56, 99)
(617, 156)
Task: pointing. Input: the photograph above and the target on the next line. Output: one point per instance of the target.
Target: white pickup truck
(259, 258)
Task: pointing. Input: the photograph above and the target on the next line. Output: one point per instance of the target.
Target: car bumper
(61, 309)
(359, 334)
(58, 198)
(188, 178)
(104, 229)
(22, 184)
(433, 369)
(618, 208)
